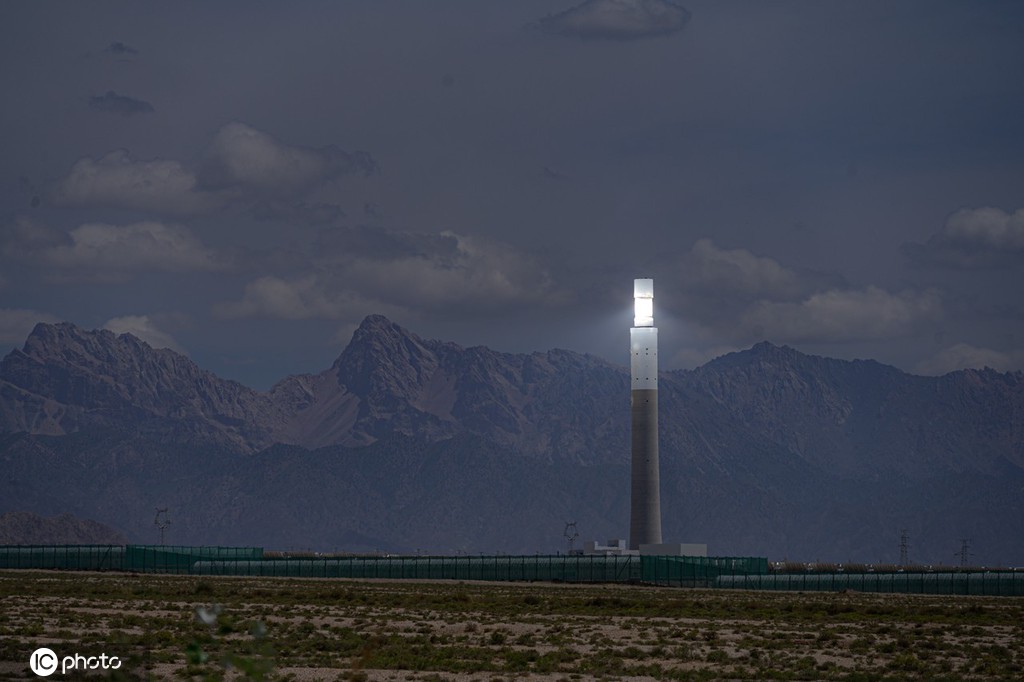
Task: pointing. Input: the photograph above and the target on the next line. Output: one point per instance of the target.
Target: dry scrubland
(308, 629)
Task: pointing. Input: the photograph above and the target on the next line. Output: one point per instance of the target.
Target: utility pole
(904, 548)
(964, 553)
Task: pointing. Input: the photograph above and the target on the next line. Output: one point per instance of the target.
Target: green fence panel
(62, 557)
(179, 559)
(750, 573)
(1008, 583)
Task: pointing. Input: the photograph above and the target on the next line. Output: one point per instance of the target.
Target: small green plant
(253, 657)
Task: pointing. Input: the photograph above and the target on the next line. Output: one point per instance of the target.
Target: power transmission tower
(964, 553)
(571, 534)
(161, 521)
(904, 548)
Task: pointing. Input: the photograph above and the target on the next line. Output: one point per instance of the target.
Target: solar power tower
(645, 491)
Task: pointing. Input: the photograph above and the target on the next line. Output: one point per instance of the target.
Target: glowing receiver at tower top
(643, 302)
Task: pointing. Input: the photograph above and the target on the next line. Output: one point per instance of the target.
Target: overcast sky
(245, 181)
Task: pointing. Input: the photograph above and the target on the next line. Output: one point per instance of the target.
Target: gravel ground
(309, 629)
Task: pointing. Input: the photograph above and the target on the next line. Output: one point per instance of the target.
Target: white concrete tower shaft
(645, 491)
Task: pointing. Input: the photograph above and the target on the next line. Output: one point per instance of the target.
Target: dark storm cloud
(618, 19)
(297, 212)
(24, 237)
(119, 49)
(113, 103)
(971, 239)
(553, 174)
(374, 243)
(618, 152)
(29, 191)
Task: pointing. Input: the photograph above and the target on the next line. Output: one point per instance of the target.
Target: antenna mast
(570, 534)
(161, 521)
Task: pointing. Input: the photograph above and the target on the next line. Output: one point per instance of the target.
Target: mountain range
(407, 444)
(26, 528)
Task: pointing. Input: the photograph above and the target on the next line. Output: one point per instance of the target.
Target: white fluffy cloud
(241, 163)
(301, 298)
(733, 296)
(965, 356)
(986, 228)
(717, 287)
(618, 19)
(118, 179)
(842, 315)
(710, 269)
(478, 273)
(242, 155)
(141, 327)
(401, 271)
(139, 246)
(17, 323)
(973, 237)
(113, 103)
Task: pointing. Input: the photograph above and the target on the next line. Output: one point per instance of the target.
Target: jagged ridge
(66, 379)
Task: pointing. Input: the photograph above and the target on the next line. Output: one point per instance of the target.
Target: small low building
(674, 549)
(612, 548)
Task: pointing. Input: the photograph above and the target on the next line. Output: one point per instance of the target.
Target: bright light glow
(643, 302)
(643, 314)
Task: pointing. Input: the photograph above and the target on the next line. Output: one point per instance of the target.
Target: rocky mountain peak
(378, 325)
(123, 357)
(64, 341)
(764, 347)
(385, 359)
(67, 378)
(376, 335)
(766, 351)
